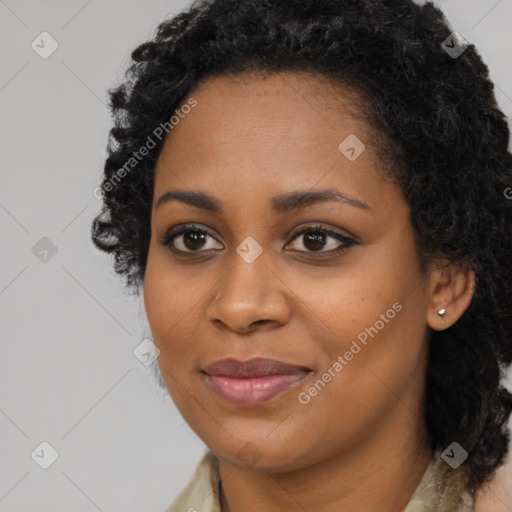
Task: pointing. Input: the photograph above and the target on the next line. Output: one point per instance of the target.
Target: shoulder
(441, 489)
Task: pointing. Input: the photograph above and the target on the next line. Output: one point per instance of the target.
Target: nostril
(254, 324)
(259, 322)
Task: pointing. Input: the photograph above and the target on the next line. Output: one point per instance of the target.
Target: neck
(381, 474)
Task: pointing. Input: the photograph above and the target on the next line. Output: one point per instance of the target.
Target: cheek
(169, 298)
(373, 318)
(169, 306)
(373, 368)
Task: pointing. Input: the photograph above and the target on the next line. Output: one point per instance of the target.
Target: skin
(360, 443)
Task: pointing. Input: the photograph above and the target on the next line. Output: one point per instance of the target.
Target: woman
(315, 199)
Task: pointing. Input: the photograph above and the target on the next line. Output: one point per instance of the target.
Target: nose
(250, 296)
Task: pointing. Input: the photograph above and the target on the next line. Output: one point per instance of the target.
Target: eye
(189, 238)
(315, 238)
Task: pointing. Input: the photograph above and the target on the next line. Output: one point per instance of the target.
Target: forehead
(258, 131)
(283, 86)
(286, 108)
(262, 99)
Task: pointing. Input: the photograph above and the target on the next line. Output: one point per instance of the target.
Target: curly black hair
(445, 144)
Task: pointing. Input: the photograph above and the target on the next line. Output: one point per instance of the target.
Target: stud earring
(441, 313)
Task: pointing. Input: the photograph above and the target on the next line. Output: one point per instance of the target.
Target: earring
(441, 313)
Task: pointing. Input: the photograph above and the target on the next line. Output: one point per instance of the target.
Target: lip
(252, 382)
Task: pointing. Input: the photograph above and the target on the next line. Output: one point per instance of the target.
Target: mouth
(252, 382)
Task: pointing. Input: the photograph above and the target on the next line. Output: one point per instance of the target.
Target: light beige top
(201, 494)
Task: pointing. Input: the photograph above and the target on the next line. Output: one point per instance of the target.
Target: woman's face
(347, 307)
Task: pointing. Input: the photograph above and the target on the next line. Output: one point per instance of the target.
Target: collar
(432, 494)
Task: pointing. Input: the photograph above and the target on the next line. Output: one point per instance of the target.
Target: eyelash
(168, 238)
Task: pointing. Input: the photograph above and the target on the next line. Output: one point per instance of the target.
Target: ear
(451, 287)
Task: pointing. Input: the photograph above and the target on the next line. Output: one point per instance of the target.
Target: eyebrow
(281, 204)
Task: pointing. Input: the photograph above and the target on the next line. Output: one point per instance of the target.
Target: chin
(259, 453)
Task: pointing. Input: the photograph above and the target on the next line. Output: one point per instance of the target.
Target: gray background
(68, 373)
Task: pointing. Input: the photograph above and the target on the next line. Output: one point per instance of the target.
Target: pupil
(194, 239)
(318, 240)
